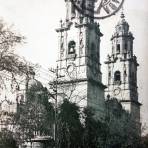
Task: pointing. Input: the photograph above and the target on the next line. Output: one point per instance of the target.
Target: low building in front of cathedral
(7, 111)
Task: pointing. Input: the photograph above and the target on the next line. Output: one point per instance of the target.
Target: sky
(38, 19)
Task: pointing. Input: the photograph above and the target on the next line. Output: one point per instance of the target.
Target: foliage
(7, 139)
(69, 125)
(95, 131)
(144, 141)
(80, 128)
(123, 130)
(35, 116)
(11, 65)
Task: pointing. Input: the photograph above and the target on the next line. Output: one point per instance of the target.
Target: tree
(78, 128)
(69, 125)
(35, 116)
(123, 131)
(11, 65)
(95, 131)
(7, 140)
(144, 141)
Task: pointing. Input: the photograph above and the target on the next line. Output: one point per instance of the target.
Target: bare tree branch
(10, 63)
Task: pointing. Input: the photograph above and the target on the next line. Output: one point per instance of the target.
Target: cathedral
(79, 67)
(78, 74)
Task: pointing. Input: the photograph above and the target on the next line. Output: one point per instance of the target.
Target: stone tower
(122, 70)
(79, 60)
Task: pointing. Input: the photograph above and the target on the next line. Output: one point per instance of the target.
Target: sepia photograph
(73, 74)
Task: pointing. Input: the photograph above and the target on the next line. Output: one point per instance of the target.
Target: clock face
(117, 91)
(71, 68)
(101, 10)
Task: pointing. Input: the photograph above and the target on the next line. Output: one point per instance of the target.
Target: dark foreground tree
(7, 140)
(123, 130)
(79, 129)
(144, 141)
(69, 126)
(95, 131)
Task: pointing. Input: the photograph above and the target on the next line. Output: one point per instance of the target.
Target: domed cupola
(122, 28)
(122, 39)
(32, 83)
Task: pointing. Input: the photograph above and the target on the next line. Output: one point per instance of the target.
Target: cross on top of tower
(122, 14)
(122, 20)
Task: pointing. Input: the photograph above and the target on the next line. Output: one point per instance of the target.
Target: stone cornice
(82, 80)
(123, 35)
(123, 60)
(132, 101)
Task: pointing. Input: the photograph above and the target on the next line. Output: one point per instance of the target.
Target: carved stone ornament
(62, 46)
(62, 43)
(71, 70)
(81, 43)
(117, 91)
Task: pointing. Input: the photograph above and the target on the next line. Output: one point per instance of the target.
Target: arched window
(71, 47)
(117, 76)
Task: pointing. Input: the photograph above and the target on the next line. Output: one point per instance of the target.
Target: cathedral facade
(79, 67)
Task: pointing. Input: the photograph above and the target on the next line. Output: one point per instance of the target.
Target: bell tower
(79, 59)
(122, 70)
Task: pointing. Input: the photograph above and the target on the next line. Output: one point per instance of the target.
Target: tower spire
(122, 70)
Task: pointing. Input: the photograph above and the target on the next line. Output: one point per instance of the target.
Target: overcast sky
(38, 19)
